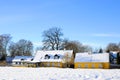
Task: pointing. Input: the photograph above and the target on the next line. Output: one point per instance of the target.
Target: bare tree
(76, 46)
(13, 49)
(52, 38)
(4, 40)
(21, 48)
(68, 59)
(112, 47)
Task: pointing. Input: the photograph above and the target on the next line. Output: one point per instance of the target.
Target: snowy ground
(13, 73)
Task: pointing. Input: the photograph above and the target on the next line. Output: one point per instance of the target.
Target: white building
(21, 60)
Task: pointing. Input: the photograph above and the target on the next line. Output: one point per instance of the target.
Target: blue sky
(92, 22)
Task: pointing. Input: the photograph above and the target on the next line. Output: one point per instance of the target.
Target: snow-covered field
(14, 73)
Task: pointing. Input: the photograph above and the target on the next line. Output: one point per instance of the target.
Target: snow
(14, 73)
(40, 55)
(86, 57)
(26, 58)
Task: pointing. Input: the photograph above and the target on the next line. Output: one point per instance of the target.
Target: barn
(89, 60)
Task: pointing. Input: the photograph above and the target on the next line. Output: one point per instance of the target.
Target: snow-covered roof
(40, 55)
(86, 57)
(24, 58)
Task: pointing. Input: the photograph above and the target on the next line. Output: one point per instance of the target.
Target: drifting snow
(13, 73)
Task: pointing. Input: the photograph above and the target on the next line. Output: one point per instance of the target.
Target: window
(58, 64)
(47, 56)
(53, 64)
(79, 65)
(16, 62)
(32, 59)
(86, 65)
(93, 66)
(100, 66)
(56, 56)
(22, 59)
(42, 65)
(48, 64)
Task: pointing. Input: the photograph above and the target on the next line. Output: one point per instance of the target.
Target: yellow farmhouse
(53, 58)
(87, 60)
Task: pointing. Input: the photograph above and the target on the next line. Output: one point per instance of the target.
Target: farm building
(21, 60)
(53, 58)
(88, 60)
